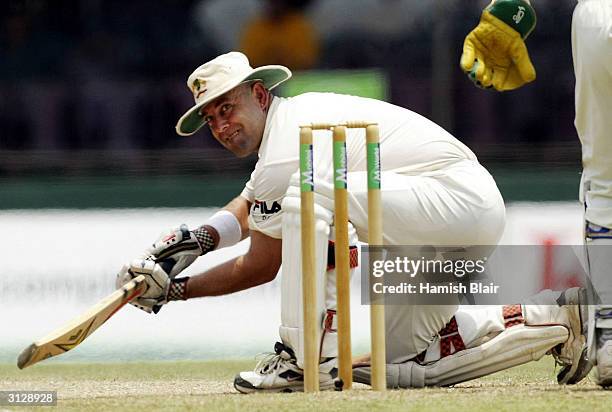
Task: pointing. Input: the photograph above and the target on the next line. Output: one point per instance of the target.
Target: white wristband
(227, 226)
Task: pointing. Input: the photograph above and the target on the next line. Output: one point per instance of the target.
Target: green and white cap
(219, 76)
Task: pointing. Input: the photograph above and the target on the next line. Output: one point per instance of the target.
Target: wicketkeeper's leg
(599, 261)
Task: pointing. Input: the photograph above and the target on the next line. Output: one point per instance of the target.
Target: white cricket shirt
(409, 144)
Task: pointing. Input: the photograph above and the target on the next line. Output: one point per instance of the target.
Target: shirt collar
(269, 119)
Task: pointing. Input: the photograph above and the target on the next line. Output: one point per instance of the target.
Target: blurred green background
(525, 184)
(89, 95)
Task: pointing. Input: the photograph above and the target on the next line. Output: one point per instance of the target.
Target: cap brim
(271, 76)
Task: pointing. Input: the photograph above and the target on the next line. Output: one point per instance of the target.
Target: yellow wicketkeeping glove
(494, 53)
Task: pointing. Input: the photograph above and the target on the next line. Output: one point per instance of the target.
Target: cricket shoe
(572, 355)
(279, 372)
(603, 371)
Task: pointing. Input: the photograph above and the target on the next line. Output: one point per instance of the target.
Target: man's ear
(261, 94)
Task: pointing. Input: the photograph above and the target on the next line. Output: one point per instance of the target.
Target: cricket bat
(78, 329)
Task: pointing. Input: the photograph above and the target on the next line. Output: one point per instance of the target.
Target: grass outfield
(178, 386)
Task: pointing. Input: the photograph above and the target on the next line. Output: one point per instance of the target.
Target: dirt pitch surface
(179, 386)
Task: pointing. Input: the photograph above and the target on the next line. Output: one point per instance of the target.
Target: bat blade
(78, 329)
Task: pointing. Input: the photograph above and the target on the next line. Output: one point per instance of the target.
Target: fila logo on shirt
(262, 210)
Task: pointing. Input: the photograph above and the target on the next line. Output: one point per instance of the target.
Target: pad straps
(450, 339)
(331, 256)
(513, 315)
(329, 326)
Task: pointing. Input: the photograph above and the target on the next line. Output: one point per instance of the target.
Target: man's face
(237, 118)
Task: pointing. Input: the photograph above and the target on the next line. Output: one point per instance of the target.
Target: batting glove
(494, 53)
(179, 248)
(160, 288)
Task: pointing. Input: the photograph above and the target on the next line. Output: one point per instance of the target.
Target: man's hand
(160, 288)
(494, 53)
(178, 248)
(158, 283)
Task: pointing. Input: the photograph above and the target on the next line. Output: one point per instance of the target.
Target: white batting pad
(292, 317)
(329, 344)
(490, 346)
(478, 324)
(514, 346)
(599, 264)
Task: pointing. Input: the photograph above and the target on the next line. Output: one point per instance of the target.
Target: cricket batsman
(434, 192)
(495, 55)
